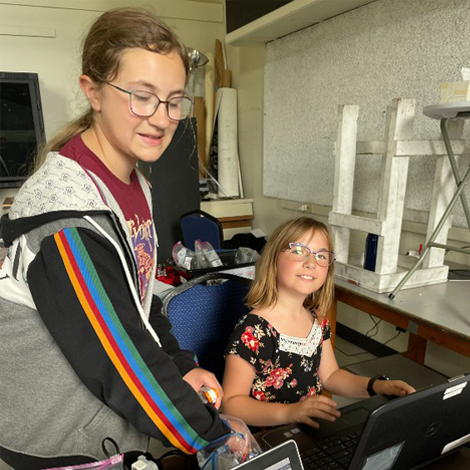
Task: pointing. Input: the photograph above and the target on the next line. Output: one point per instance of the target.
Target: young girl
(279, 358)
(85, 352)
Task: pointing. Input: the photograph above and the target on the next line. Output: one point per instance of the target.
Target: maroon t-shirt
(131, 200)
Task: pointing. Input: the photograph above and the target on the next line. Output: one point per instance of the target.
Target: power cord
(376, 324)
(350, 355)
(393, 337)
(375, 327)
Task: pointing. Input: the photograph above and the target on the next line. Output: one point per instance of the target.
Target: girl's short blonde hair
(263, 293)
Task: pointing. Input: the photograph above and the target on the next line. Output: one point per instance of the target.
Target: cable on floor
(375, 327)
(351, 355)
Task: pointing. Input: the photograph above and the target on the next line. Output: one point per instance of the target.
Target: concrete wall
(384, 50)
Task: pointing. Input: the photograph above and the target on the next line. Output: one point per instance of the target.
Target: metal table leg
(453, 164)
(438, 228)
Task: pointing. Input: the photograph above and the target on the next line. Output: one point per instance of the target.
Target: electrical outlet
(303, 208)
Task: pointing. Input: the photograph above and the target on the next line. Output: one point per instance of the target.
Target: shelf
(235, 215)
(289, 18)
(448, 110)
(221, 208)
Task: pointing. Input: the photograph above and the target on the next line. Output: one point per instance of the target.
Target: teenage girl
(279, 358)
(86, 354)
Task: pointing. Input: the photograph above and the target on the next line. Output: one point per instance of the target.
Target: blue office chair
(203, 316)
(199, 225)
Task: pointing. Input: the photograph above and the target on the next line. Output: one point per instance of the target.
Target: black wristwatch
(370, 384)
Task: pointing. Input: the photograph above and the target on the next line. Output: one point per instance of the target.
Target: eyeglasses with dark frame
(299, 252)
(145, 104)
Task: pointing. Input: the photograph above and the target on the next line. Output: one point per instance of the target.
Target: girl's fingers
(310, 422)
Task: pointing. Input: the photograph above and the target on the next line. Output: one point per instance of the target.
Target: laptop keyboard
(333, 452)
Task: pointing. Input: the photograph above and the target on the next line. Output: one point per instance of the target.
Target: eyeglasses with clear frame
(145, 104)
(299, 252)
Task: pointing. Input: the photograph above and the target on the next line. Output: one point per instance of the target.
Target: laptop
(285, 456)
(381, 433)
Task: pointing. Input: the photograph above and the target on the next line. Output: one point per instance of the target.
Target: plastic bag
(227, 452)
(116, 462)
(246, 255)
(184, 258)
(206, 255)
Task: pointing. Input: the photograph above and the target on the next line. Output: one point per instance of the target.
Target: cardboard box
(455, 92)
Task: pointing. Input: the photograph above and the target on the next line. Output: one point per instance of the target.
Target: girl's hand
(392, 387)
(198, 378)
(313, 407)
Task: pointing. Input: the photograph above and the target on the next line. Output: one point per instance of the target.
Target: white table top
(446, 110)
(446, 305)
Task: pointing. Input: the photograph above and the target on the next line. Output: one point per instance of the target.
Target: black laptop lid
(417, 428)
(400, 433)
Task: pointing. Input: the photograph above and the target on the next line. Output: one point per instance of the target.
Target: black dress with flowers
(286, 366)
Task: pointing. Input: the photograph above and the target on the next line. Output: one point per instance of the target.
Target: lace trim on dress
(302, 346)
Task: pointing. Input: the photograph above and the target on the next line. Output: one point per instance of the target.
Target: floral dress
(286, 366)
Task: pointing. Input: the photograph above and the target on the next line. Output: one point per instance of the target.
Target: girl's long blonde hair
(263, 292)
(113, 33)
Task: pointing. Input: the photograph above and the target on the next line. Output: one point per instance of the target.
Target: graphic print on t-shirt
(132, 202)
(142, 237)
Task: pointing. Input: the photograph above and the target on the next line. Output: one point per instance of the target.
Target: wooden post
(200, 115)
(394, 177)
(416, 348)
(345, 162)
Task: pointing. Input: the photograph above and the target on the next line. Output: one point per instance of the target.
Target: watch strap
(370, 384)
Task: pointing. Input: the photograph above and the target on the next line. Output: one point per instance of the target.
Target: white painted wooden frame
(396, 149)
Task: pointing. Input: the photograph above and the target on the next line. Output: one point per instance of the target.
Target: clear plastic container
(208, 395)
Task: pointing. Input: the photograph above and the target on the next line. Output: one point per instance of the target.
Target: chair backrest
(199, 225)
(204, 316)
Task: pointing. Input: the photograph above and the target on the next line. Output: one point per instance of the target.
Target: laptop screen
(400, 433)
(21, 126)
(285, 464)
(282, 457)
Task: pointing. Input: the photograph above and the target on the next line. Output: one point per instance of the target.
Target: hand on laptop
(392, 387)
(313, 407)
